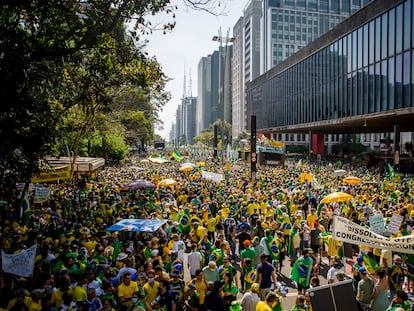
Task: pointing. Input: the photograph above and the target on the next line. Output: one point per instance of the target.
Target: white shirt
(194, 262)
(331, 275)
(179, 246)
(249, 301)
(263, 244)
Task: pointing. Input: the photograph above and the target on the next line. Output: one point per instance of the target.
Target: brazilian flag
(185, 221)
(176, 155)
(273, 247)
(370, 264)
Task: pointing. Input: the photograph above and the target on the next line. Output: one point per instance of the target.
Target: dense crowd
(222, 247)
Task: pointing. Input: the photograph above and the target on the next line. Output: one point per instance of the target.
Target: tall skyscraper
(245, 62)
(289, 25)
(207, 90)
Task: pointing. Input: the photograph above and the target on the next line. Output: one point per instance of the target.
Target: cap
(360, 259)
(235, 306)
(362, 270)
(154, 252)
(247, 243)
(121, 256)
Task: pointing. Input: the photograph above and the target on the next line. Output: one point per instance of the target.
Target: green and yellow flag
(370, 264)
(391, 171)
(176, 155)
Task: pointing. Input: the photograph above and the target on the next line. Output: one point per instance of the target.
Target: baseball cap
(362, 270)
(247, 243)
(360, 259)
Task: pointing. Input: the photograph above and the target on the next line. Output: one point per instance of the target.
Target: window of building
(391, 32)
(391, 83)
(312, 5)
(345, 7)
(384, 35)
(324, 6)
(406, 79)
(407, 25)
(378, 37)
(371, 41)
(398, 29)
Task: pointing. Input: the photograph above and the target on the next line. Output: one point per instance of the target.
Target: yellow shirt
(79, 294)
(127, 290)
(57, 297)
(35, 306)
(201, 288)
(151, 291)
(263, 306)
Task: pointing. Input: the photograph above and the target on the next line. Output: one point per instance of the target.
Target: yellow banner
(54, 174)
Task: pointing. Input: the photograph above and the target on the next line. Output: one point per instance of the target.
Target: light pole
(222, 102)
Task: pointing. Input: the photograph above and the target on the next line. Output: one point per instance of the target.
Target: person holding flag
(301, 271)
(270, 246)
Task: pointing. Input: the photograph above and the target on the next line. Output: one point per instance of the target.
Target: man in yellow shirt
(266, 305)
(127, 289)
(151, 288)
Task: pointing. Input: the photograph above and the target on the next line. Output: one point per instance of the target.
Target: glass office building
(363, 66)
(289, 25)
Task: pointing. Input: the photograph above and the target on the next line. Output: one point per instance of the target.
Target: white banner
(21, 264)
(212, 176)
(345, 230)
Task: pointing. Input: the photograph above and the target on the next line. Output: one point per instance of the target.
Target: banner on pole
(345, 230)
(21, 264)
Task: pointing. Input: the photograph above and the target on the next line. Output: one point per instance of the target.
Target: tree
(40, 43)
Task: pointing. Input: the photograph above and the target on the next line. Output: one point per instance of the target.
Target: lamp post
(223, 59)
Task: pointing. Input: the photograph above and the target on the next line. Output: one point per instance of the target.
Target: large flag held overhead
(176, 155)
(370, 264)
(391, 171)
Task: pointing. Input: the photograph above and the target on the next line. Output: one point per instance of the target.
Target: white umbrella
(338, 173)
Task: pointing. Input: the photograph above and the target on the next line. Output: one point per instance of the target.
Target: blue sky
(182, 48)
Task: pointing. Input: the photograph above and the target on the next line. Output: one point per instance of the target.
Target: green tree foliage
(56, 55)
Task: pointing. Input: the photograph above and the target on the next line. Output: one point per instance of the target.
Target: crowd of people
(222, 247)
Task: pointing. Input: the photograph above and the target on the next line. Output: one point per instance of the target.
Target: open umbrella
(339, 173)
(186, 168)
(305, 177)
(166, 182)
(337, 197)
(158, 160)
(138, 184)
(352, 180)
(188, 164)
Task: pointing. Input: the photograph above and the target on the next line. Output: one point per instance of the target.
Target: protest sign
(345, 230)
(395, 223)
(21, 264)
(376, 223)
(41, 194)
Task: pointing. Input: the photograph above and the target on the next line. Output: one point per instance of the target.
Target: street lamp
(222, 102)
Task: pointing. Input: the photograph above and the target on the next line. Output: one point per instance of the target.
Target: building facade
(289, 25)
(359, 76)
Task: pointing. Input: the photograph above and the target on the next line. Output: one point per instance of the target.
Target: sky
(180, 51)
